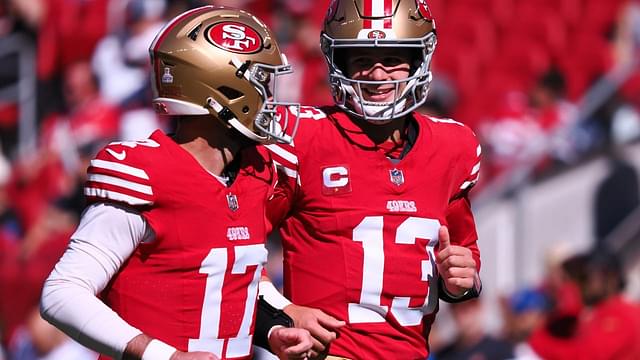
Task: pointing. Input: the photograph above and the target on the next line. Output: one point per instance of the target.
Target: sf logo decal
(235, 37)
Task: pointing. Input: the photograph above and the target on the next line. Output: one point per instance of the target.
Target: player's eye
(362, 63)
(392, 61)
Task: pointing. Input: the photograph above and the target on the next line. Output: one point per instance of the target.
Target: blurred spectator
(627, 48)
(472, 341)
(32, 13)
(534, 129)
(23, 267)
(523, 312)
(88, 121)
(607, 327)
(512, 137)
(554, 114)
(123, 54)
(69, 33)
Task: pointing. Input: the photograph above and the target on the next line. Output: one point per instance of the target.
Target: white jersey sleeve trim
(112, 180)
(113, 195)
(105, 238)
(289, 172)
(122, 168)
(286, 155)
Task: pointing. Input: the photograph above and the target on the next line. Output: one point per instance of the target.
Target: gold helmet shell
(224, 62)
(379, 23)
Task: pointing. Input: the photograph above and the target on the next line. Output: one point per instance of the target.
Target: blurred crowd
(544, 83)
(579, 311)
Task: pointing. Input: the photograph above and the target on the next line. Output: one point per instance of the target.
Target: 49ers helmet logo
(424, 10)
(235, 37)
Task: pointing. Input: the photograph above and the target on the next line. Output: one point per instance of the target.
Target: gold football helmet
(379, 23)
(224, 62)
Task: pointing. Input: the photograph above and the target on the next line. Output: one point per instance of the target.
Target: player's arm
(458, 257)
(323, 327)
(274, 331)
(106, 237)
(459, 278)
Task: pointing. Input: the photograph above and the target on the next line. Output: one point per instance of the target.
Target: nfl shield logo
(232, 201)
(396, 176)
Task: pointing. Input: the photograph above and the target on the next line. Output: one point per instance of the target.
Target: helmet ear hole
(230, 93)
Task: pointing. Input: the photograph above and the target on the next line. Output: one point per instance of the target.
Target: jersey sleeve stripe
(478, 150)
(122, 168)
(289, 172)
(111, 180)
(113, 195)
(284, 154)
(475, 169)
(465, 185)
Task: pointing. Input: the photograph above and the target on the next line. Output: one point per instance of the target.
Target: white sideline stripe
(475, 169)
(126, 169)
(283, 153)
(111, 180)
(106, 194)
(287, 171)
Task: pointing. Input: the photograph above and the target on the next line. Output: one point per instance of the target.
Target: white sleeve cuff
(157, 350)
(271, 295)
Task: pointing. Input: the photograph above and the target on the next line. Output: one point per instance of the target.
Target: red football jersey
(195, 286)
(360, 231)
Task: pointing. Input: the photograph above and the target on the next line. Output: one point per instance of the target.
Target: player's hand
(322, 327)
(455, 265)
(194, 355)
(290, 343)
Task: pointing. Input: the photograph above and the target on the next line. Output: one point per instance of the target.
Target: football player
(166, 260)
(373, 210)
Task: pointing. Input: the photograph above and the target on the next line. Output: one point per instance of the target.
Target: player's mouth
(378, 94)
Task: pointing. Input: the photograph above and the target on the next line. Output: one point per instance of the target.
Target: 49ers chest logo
(235, 37)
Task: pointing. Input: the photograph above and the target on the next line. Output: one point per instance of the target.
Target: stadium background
(552, 88)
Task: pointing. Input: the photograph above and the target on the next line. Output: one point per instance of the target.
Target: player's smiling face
(379, 64)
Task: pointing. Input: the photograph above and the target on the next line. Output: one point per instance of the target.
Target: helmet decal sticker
(167, 78)
(376, 34)
(235, 37)
(424, 10)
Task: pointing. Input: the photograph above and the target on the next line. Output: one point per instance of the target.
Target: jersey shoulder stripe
(452, 131)
(121, 179)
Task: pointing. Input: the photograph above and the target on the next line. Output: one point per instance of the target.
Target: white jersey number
(369, 233)
(214, 265)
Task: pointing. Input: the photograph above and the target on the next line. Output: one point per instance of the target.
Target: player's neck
(208, 141)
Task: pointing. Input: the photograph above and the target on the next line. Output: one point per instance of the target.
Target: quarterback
(373, 204)
(166, 260)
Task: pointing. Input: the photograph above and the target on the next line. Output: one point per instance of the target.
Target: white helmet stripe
(377, 8)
